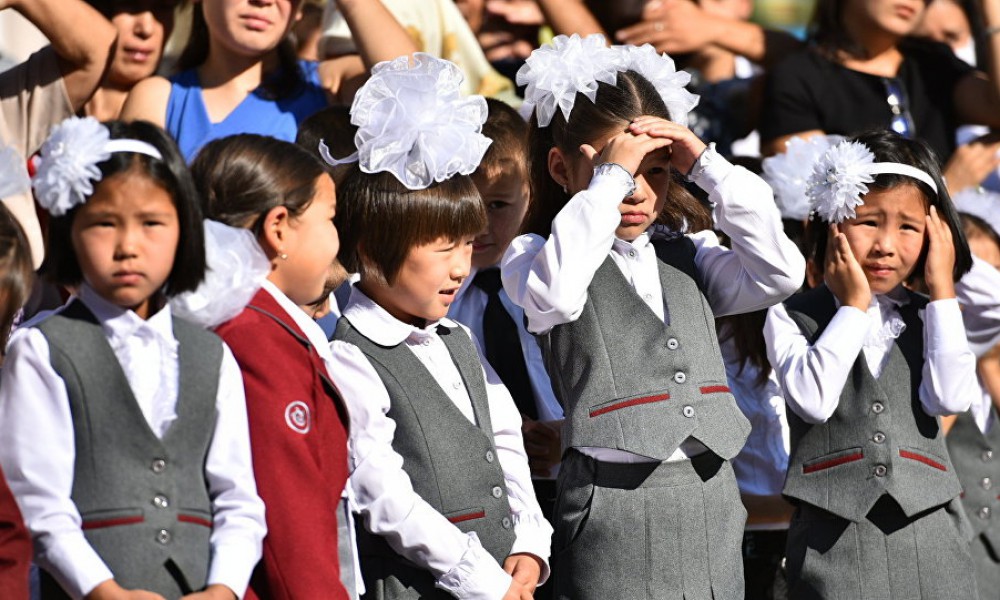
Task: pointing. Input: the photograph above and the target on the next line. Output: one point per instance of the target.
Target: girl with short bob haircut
(298, 423)
(131, 463)
(622, 298)
(438, 467)
(868, 367)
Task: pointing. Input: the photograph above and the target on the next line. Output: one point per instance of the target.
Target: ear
(559, 167)
(274, 232)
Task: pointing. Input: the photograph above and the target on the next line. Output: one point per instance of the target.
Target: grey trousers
(888, 556)
(659, 531)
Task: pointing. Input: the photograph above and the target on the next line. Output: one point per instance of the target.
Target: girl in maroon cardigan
(298, 424)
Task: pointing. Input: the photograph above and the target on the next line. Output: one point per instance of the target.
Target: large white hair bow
(789, 173)
(659, 69)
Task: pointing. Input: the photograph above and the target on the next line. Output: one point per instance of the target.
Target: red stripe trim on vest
(923, 459)
(833, 462)
(101, 523)
(195, 520)
(628, 403)
(715, 389)
(468, 517)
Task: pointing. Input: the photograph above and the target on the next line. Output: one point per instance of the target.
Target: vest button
(160, 501)
(672, 344)
(163, 536)
(880, 470)
(489, 456)
(984, 512)
(688, 411)
(879, 437)
(680, 377)
(987, 483)
(877, 408)
(497, 491)
(987, 455)
(158, 465)
(505, 523)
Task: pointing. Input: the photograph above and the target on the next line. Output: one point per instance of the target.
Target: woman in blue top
(239, 73)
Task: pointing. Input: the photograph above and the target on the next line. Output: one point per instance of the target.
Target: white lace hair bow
(69, 158)
(14, 179)
(555, 73)
(788, 173)
(414, 122)
(839, 179)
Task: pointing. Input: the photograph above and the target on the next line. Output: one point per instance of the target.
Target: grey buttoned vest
(628, 381)
(452, 463)
(977, 461)
(144, 501)
(879, 440)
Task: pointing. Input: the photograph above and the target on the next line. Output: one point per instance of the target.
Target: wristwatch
(618, 172)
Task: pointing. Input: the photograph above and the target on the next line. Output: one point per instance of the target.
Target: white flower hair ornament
(69, 158)
(841, 175)
(659, 70)
(414, 122)
(14, 179)
(785, 173)
(555, 73)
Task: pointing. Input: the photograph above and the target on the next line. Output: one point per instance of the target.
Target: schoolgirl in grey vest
(124, 425)
(438, 467)
(647, 505)
(867, 367)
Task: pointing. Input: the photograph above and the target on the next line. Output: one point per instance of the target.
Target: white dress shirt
(978, 292)
(549, 278)
(38, 452)
(813, 376)
(382, 490)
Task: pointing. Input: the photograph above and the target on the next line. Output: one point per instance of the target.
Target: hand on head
(643, 136)
(939, 267)
(843, 274)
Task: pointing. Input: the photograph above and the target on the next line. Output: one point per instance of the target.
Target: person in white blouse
(124, 427)
(867, 366)
(622, 304)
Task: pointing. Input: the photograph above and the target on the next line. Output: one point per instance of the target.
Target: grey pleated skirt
(655, 531)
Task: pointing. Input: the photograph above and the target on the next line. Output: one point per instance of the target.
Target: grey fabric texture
(887, 556)
(648, 531)
(144, 501)
(629, 382)
(879, 440)
(451, 462)
(977, 461)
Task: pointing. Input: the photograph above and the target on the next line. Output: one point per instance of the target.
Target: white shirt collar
(376, 324)
(121, 323)
(623, 247)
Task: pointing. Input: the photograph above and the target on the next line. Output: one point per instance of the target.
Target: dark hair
(16, 272)
(172, 174)
(747, 333)
(242, 177)
(285, 82)
(333, 126)
(380, 220)
(829, 33)
(889, 146)
(614, 107)
(110, 8)
(973, 225)
(509, 135)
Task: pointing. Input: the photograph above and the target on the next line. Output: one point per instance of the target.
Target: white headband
(839, 179)
(69, 158)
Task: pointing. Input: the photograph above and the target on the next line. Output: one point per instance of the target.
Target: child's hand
(110, 590)
(525, 569)
(215, 591)
(627, 149)
(686, 146)
(940, 265)
(543, 444)
(843, 275)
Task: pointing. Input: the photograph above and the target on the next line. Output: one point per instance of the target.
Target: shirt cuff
(710, 169)
(233, 563)
(477, 576)
(534, 536)
(75, 565)
(611, 183)
(945, 330)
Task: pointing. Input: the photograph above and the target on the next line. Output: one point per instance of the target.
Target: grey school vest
(451, 462)
(977, 461)
(144, 501)
(629, 382)
(879, 440)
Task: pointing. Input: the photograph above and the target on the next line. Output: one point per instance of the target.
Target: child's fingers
(590, 153)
